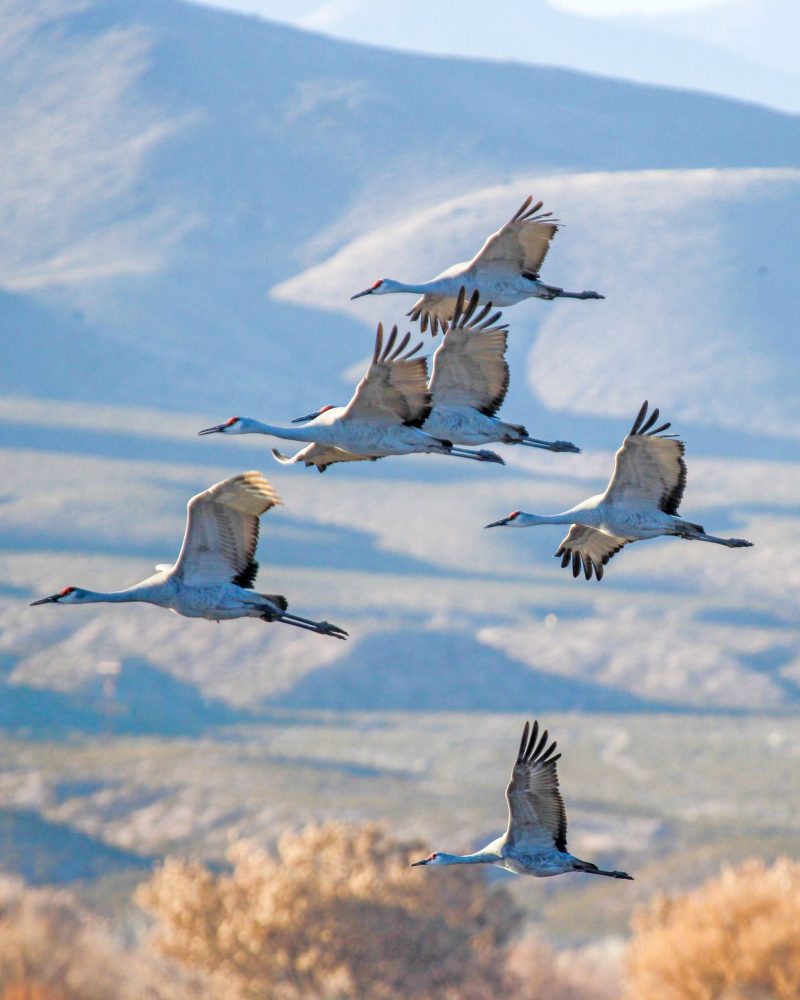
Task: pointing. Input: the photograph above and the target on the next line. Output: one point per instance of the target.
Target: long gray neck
(149, 593)
(565, 517)
(419, 288)
(302, 432)
(478, 858)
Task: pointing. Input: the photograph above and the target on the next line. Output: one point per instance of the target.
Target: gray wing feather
(536, 814)
(221, 535)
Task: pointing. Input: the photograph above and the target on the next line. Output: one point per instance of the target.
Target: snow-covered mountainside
(168, 165)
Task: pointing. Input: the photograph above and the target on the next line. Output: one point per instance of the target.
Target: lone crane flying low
(641, 501)
(535, 841)
(214, 573)
(504, 271)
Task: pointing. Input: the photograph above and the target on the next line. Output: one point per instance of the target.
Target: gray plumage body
(213, 575)
(470, 379)
(641, 501)
(504, 271)
(384, 417)
(535, 841)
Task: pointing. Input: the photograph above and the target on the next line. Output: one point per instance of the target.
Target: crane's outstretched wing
(536, 814)
(395, 387)
(522, 242)
(433, 310)
(222, 531)
(649, 467)
(590, 549)
(469, 366)
(321, 455)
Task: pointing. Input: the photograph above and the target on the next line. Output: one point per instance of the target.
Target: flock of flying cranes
(397, 409)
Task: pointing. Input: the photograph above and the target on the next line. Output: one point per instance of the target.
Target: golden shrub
(736, 937)
(53, 949)
(335, 913)
(31, 989)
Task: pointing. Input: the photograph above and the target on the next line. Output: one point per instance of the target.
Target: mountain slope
(697, 267)
(219, 158)
(219, 155)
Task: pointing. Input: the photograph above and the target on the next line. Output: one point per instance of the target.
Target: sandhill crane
(320, 455)
(470, 380)
(535, 841)
(384, 417)
(215, 569)
(641, 501)
(505, 270)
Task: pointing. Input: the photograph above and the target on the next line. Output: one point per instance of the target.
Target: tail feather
(278, 600)
(692, 526)
(590, 869)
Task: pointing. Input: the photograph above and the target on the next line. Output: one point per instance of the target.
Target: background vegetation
(335, 914)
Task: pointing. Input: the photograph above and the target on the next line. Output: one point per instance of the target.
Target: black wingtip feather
(533, 748)
(522, 208)
(378, 344)
(458, 309)
(639, 418)
(278, 600)
(472, 305)
(540, 745)
(247, 577)
(649, 422)
(523, 742)
(670, 502)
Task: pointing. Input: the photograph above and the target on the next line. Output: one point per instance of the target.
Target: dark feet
(565, 446)
(325, 628)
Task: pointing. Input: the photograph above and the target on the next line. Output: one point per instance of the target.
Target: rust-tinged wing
(221, 535)
(395, 386)
(469, 366)
(522, 242)
(649, 467)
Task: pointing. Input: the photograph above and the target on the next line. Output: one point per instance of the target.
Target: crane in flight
(504, 271)
(641, 501)
(535, 841)
(214, 573)
(470, 379)
(384, 417)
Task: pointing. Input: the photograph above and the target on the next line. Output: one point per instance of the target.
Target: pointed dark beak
(218, 429)
(497, 524)
(416, 864)
(45, 600)
(305, 419)
(367, 291)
